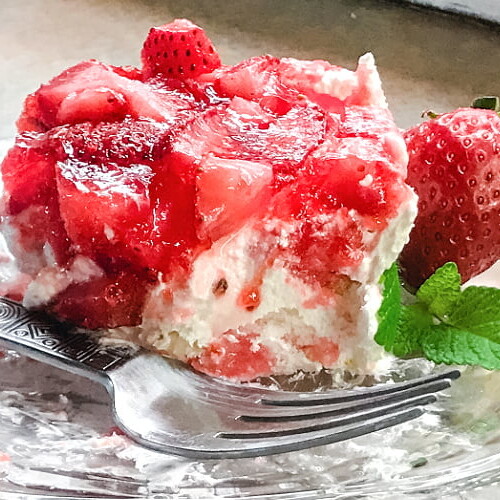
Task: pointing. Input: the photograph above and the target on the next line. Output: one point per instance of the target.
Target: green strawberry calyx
(487, 102)
(484, 102)
(442, 322)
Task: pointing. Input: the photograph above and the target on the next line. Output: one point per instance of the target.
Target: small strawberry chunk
(106, 302)
(30, 118)
(81, 85)
(237, 356)
(230, 192)
(28, 174)
(106, 211)
(251, 79)
(355, 172)
(179, 50)
(321, 350)
(99, 104)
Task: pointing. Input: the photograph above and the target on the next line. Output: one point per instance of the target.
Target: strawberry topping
(141, 170)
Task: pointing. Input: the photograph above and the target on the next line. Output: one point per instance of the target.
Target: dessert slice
(234, 217)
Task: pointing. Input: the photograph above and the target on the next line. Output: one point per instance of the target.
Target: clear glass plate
(56, 430)
(57, 434)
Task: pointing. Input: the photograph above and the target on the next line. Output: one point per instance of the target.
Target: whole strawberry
(178, 50)
(455, 169)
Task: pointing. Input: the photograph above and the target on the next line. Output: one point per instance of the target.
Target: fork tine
(230, 446)
(230, 389)
(272, 429)
(287, 413)
(281, 398)
(327, 400)
(328, 436)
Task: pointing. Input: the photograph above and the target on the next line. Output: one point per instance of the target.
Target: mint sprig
(444, 324)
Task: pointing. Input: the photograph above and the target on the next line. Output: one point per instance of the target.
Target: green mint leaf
(389, 312)
(478, 311)
(413, 320)
(440, 292)
(444, 323)
(450, 345)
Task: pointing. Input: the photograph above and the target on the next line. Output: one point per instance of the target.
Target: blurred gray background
(427, 59)
(483, 9)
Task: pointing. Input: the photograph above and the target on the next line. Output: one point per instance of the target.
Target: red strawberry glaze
(237, 356)
(31, 197)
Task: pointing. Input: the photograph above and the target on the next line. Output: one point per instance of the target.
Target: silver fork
(164, 405)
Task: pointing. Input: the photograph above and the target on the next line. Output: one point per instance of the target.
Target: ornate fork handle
(38, 336)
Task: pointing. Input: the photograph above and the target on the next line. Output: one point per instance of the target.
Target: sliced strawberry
(245, 131)
(30, 118)
(89, 77)
(179, 50)
(321, 350)
(126, 143)
(230, 192)
(28, 174)
(94, 105)
(160, 102)
(356, 173)
(107, 302)
(251, 79)
(106, 211)
(93, 91)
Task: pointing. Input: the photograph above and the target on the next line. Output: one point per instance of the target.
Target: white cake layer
(291, 311)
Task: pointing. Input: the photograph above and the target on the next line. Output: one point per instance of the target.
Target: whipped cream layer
(292, 315)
